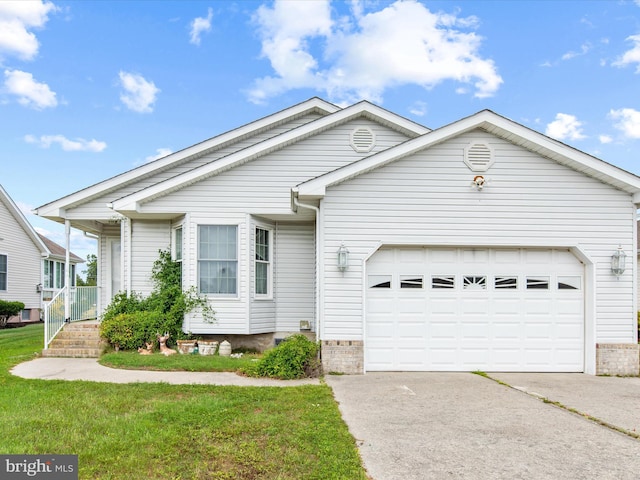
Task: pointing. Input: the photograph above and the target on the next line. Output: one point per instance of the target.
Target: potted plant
(207, 347)
(187, 343)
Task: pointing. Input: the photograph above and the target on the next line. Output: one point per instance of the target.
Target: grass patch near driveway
(161, 431)
(189, 363)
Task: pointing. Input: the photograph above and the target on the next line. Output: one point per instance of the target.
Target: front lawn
(160, 431)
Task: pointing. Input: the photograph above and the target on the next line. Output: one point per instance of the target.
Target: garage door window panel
(474, 282)
(443, 281)
(537, 283)
(411, 281)
(505, 283)
(379, 281)
(569, 283)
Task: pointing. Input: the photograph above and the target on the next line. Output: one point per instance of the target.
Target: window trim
(236, 294)
(268, 262)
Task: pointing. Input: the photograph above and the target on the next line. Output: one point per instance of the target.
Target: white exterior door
(464, 309)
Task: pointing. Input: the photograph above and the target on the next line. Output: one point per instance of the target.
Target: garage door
(464, 309)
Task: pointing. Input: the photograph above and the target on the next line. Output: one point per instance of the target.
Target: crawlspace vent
(363, 139)
(478, 157)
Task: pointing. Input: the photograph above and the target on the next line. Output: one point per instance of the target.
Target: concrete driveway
(461, 425)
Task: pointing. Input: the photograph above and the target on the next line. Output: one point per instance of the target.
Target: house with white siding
(31, 266)
(481, 245)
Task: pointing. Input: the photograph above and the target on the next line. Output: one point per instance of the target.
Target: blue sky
(90, 89)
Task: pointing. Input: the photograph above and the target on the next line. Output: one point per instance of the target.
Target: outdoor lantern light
(617, 262)
(343, 258)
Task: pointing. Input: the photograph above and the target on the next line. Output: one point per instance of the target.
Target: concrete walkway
(89, 369)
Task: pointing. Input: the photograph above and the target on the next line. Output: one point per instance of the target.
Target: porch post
(67, 272)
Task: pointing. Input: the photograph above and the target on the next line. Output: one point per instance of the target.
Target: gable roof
(22, 221)
(492, 123)
(364, 109)
(59, 252)
(56, 209)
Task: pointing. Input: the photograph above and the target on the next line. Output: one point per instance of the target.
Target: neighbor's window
(3, 272)
(218, 259)
(59, 281)
(263, 261)
(48, 274)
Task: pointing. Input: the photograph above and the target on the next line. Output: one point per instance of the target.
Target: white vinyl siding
(24, 262)
(426, 199)
(263, 186)
(294, 275)
(148, 238)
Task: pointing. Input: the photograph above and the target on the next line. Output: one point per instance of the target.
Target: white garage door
(464, 309)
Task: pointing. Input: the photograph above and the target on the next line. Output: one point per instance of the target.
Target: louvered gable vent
(363, 139)
(478, 157)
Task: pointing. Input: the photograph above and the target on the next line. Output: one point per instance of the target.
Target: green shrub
(8, 310)
(167, 301)
(128, 331)
(295, 357)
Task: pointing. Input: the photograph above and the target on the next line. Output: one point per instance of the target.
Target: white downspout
(67, 270)
(318, 259)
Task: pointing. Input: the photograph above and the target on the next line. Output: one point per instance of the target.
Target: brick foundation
(343, 356)
(617, 359)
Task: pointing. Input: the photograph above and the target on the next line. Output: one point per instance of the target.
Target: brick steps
(78, 340)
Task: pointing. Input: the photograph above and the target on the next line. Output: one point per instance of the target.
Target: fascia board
(133, 201)
(485, 119)
(23, 222)
(53, 209)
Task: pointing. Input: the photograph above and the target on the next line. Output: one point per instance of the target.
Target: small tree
(8, 310)
(91, 273)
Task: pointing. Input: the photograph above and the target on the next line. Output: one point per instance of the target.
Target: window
(410, 281)
(177, 244)
(263, 261)
(537, 283)
(472, 282)
(177, 248)
(443, 281)
(218, 259)
(569, 283)
(48, 274)
(3, 272)
(59, 281)
(379, 281)
(504, 283)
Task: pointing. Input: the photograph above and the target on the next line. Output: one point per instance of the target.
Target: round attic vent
(363, 139)
(478, 156)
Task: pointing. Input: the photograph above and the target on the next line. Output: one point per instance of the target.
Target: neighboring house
(482, 245)
(24, 258)
(53, 268)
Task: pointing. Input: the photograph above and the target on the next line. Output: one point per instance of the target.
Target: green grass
(189, 363)
(160, 431)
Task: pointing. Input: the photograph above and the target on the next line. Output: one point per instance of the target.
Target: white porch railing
(83, 304)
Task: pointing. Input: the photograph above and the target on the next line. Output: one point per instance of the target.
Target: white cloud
(404, 43)
(605, 139)
(418, 108)
(29, 92)
(139, 94)
(160, 153)
(630, 56)
(565, 127)
(17, 18)
(628, 121)
(584, 49)
(77, 145)
(199, 25)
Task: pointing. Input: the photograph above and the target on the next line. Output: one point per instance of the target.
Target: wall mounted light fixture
(479, 182)
(343, 258)
(618, 260)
